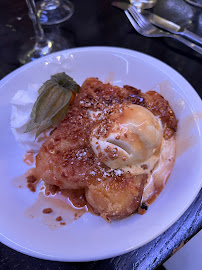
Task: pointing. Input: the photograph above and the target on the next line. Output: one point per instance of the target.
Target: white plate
(90, 237)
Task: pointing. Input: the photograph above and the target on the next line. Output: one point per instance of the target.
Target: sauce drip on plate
(54, 210)
(29, 158)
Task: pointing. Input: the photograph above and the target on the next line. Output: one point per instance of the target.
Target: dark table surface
(97, 23)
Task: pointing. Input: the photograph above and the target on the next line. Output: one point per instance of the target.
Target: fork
(147, 29)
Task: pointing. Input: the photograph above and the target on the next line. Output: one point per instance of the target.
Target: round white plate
(90, 237)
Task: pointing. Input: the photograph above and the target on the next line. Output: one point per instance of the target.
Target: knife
(163, 23)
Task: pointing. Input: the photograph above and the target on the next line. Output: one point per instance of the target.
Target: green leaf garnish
(52, 103)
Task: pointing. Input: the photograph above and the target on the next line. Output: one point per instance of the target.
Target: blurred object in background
(197, 3)
(40, 45)
(54, 11)
(143, 4)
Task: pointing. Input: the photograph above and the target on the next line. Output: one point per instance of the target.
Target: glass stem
(39, 33)
(50, 4)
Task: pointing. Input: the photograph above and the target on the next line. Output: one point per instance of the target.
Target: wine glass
(143, 4)
(41, 45)
(54, 11)
(197, 3)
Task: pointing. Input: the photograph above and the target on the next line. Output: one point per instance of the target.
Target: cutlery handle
(188, 43)
(192, 36)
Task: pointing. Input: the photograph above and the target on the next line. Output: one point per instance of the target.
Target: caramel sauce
(31, 171)
(183, 141)
(184, 126)
(110, 78)
(165, 89)
(161, 172)
(75, 197)
(184, 144)
(60, 205)
(31, 179)
(158, 189)
(69, 205)
(43, 136)
(78, 207)
(29, 158)
(64, 207)
(21, 181)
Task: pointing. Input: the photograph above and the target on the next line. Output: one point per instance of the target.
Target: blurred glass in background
(197, 3)
(42, 45)
(143, 4)
(54, 11)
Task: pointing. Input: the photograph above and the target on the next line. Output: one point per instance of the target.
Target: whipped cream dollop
(22, 103)
(134, 137)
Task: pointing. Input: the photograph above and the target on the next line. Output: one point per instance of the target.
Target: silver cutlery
(146, 28)
(173, 27)
(163, 23)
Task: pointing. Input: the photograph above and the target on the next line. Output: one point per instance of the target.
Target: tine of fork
(134, 22)
(133, 14)
(136, 17)
(140, 19)
(139, 15)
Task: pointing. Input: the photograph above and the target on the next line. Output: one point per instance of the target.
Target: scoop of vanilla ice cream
(22, 104)
(134, 137)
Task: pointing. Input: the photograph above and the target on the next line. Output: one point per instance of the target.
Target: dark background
(97, 23)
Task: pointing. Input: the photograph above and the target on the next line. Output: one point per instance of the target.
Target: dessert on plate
(112, 146)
